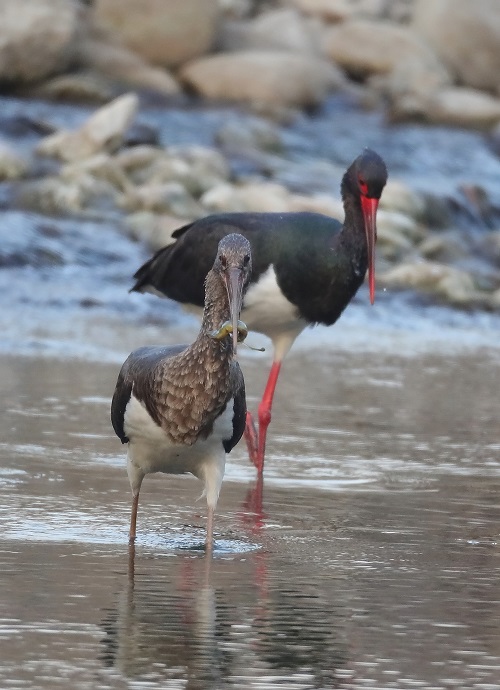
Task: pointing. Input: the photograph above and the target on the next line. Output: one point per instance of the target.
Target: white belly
(266, 309)
(150, 450)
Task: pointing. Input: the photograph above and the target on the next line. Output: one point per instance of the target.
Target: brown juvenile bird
(182, 408)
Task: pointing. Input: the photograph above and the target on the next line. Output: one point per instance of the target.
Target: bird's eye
(223, 261)
(246, 259)
(363, 187)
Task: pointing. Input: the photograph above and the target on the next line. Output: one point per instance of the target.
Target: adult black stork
(306, 269)
(181, 409)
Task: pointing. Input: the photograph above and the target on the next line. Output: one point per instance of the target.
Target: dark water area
(369, 556)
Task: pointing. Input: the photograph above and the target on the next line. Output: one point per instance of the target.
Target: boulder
(364, 48)
(135, 159)
(396, 222)
(12, 165)
(163, 32)
(154, 229)
(446, 247)
(319, 203)
(267, 197)
(274, 78)
(103, 131)
(102, 166)
(327, 10)
(51, 196)
(281, 29)
(462, 107)
(38, 38)
(197, 168)
(255, 135)
(126, 70)
(75, 87)
(452, 284)
(236, 9)
(397, 196)
(170, 197)
(466, 36)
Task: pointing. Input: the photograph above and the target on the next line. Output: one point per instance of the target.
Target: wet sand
(369, 558)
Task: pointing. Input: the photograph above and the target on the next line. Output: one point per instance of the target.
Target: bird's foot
(227, 329)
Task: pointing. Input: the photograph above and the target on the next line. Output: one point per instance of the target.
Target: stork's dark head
(366, 179)
(234, 265)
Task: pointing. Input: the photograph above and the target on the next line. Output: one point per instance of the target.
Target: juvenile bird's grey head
(233, 264)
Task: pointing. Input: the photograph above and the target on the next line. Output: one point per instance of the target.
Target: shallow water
(369, 558)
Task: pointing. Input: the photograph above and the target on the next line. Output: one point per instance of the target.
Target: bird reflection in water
(209, 623)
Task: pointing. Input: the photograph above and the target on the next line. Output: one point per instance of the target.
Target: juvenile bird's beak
(234, 286)
(369, 207)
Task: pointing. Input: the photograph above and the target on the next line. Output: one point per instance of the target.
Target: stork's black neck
(352, 238)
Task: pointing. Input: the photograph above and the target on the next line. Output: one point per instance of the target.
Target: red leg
(252, 438)
(265, 414)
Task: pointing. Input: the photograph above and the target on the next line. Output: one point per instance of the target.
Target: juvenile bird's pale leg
(210, 531)
(133, 518)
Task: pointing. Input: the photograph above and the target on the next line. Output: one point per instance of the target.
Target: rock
(236, 9)
(494, 300)
(365, 48)
(319, 203)
(445, 247)
(134, 159)
(82, 87)
(258, 196)
(236, 136)
(12, 165)
(123, 68)
(465, 35)
(39, 39)
(197, 168)
(392, 245)
(163, 32)
(103, 131)
(463, 107)
(51, 196)
(281, 29)
(204, 161)
(396, 234)
(170, 197)
(452, 284)
(154, 229)
(101, 166)
(273, 78)
(406, 226)
(399, 197)
(328, 10)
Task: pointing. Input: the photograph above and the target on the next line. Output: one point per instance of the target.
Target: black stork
(306, 269)
(181, 409)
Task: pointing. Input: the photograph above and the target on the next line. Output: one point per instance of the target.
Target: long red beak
(369, 207)
(234, 286)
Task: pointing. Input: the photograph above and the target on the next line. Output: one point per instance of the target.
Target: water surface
(369, 558)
